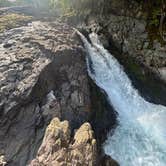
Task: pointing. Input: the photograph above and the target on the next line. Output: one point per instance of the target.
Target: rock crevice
(44, 77)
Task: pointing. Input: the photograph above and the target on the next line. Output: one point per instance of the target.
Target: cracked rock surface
(43, 75)
(25, 52)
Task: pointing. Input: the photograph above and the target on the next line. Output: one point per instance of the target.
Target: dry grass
(12, 20)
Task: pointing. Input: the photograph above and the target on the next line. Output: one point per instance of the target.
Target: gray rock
(129, 36)
(44, 57)
(162, 72)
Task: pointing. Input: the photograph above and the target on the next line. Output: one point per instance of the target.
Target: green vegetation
(155, 11)
(80, 7)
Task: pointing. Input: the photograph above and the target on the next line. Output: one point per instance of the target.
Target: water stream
(140, 137)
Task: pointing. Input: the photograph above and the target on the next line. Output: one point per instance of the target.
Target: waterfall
(140, 137)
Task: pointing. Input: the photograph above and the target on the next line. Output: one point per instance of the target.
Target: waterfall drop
(140, 137)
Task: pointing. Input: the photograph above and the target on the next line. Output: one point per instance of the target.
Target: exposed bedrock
(124, 32)
(44, 76)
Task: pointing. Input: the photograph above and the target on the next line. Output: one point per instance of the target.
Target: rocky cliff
(29, 72)
(44, 81)
(50, 110)
(58, 148)
(124, 31)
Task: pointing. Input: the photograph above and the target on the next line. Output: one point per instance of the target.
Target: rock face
(2, 161)
(123, 31)
(43, 75)
(25, 52)
(130, 36)
(101, 118)
(58, 149)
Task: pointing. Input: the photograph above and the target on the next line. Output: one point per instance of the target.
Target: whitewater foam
(140, 137)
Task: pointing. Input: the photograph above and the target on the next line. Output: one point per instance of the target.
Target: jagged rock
(57, 148)
(108, 161)
(124, 26)
(130, 36)
(25, 59)
(162, 72)
(2, 161)
(43, 75)
(52, 107)
(42, 57)
(127, 37)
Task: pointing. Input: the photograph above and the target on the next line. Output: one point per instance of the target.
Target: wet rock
(108, 161)
(162, 72)
(126, 37)
(104, 40)
(103, 116)
(129, 35)
(2, 161)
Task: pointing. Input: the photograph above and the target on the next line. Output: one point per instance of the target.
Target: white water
(140, 138)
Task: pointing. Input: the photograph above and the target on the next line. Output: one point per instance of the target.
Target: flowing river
(140, 137)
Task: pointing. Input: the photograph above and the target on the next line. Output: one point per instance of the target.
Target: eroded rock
(2, 161)
(40, 71)
(126, 36)
(58, 149)
(43, 75)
